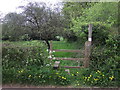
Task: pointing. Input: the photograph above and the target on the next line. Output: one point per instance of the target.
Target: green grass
(67, 45)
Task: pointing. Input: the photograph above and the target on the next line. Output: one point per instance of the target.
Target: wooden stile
(86, 52)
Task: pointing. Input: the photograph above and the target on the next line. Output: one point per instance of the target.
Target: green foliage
(106, 12)
(100, 78)
(17, 57)
(100, 32)
(107, 60)
(73, 10)
(12, 27)
(103, 71)
(102, 15)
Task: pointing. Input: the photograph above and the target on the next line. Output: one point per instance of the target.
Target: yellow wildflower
(90, 75)
(63, 78)
(22, 70)
(72, 74)
(77, 72)
(85, 78)
(95, 79)
(98, 71)
(111, 78)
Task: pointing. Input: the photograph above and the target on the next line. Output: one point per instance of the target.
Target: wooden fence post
(90, 33)
(88, 47)
(50, 51)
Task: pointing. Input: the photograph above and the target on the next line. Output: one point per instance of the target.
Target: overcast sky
(7, 6)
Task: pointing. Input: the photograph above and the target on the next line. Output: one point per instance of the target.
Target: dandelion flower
(95, 79)
(98, 71)
(111, 78)
(22, 70)
(62, 77)
(90, 75)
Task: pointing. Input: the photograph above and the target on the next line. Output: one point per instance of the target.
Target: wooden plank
(65, 50)
(50, 46)
(56, 65)
(71, 67)
(58, 58)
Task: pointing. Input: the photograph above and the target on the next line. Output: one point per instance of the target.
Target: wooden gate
(86, 53)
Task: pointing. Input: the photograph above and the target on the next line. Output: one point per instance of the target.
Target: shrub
(23, 55)
(16, 57)
(107, 59)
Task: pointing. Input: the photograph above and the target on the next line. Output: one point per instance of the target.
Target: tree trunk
(48, 44)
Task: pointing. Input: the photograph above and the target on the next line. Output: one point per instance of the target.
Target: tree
(13, 26)
(43, 23)
(72, 11)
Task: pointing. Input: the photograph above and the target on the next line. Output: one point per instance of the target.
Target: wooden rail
(71, 67)
(65, 50)
(58, 58)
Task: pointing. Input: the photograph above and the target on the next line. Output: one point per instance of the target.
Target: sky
(7, 6)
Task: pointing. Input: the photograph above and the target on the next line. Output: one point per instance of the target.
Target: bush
(106, 59)
(16, 57)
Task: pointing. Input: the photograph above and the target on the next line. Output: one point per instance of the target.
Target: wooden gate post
(88, 47)
(50, 51)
